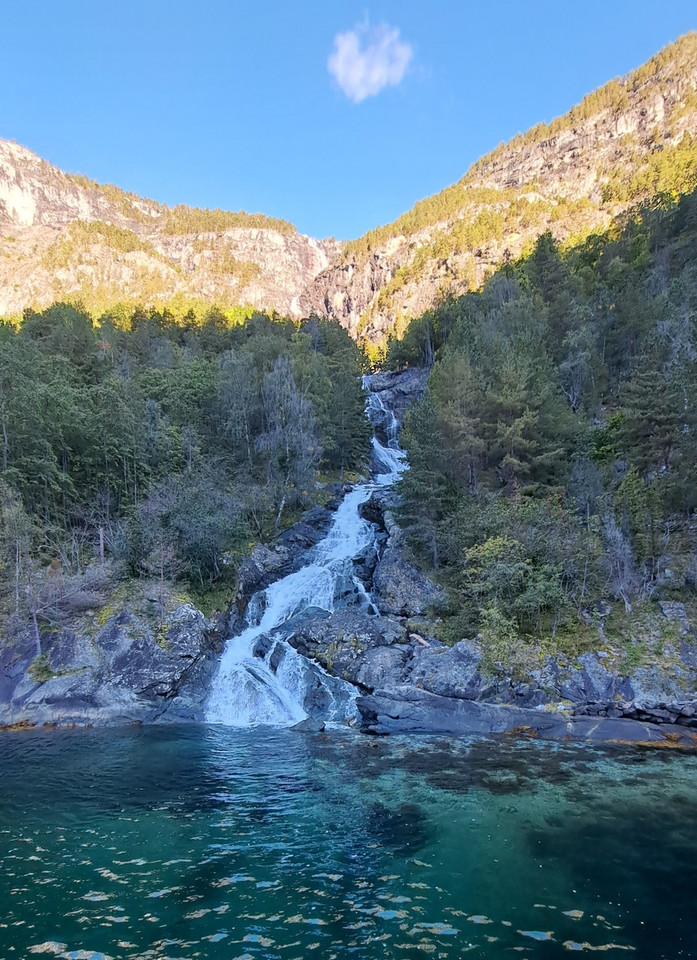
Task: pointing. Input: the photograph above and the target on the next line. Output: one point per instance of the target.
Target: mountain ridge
(628, 140)
(63, 235)
(571, 176)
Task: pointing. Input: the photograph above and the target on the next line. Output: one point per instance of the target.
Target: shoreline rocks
(127, 672)
(133, 669)
(407, 709)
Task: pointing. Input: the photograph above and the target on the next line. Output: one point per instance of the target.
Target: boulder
(380, 666)
(450, 671)
(591, 681)
(257, 571)
(309, 725)
(364, 650)
(401, 589)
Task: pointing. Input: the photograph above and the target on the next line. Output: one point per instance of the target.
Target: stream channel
(262, 682)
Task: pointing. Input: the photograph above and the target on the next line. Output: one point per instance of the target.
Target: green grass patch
(40, 669)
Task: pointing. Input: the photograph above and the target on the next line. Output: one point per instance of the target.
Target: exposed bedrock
(407, 709)
(130, 670)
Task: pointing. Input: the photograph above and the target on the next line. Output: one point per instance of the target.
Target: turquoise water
(218, 843)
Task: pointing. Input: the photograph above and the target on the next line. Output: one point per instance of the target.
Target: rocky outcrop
(441, 679)
(397, 391)
(367, 651)
(344, 289)
(407, 709)
(34, 193)
(128, 671)
(271, 561)
(556, 177)
(401, 589)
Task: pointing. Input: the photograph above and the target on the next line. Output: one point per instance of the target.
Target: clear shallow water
(264, 843)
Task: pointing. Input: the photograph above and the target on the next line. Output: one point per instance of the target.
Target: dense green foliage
(553, 455)
(174, 445)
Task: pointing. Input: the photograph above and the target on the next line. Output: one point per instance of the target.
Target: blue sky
(231, 103)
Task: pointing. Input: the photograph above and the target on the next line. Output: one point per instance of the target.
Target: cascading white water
(262, 680)
(381, 415)
(389, 463)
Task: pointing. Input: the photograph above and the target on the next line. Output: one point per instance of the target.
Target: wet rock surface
(269, 562)
(367, 651)
(397, 391)
(133, 669)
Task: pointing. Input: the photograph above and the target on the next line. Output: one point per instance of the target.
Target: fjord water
(213, 842)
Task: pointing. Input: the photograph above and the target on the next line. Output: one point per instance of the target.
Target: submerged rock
(309, 725)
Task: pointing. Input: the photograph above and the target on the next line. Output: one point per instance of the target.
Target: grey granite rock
(406, 709)
(120, 675)
(450, 671)
(401, 589)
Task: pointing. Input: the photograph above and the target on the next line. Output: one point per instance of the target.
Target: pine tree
(654, 414)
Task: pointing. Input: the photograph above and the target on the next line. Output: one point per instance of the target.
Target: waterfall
(382, 417)
(261, 678)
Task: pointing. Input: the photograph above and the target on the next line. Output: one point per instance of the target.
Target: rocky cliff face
(571, 177)
(62, 235)
(123, 670)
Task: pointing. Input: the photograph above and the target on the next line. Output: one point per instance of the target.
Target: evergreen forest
(552, 486)
(553, 454)
(143, 446)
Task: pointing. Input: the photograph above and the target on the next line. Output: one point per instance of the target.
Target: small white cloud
(367, 59)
